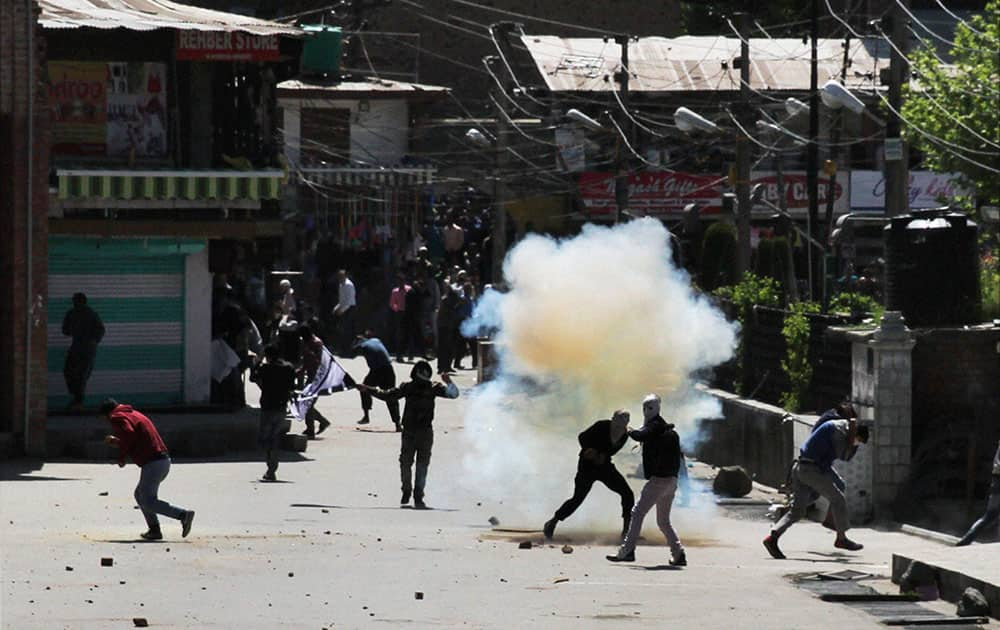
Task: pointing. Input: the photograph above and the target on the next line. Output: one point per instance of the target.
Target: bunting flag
(330, 377)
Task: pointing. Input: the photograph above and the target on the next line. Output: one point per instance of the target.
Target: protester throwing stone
(136, 437)
(813, 474)
(418, 433)
(661, 462)
(380, 374)
(989, 518)
(598, 444)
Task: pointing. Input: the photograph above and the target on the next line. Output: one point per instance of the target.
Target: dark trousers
(413, 337)
(273, 425)
(417, 443)
(448, 351)
(383, 377)
(76, 371)
(345, 331)
(396, 334)
(312, 417)
(586, 475)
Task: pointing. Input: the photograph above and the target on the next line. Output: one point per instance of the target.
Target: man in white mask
(598, 444)
(661, 462)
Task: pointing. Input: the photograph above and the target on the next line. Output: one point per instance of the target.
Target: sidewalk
(330, 547)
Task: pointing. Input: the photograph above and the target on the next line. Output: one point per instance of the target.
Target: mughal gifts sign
(226, 46)
(660, 193)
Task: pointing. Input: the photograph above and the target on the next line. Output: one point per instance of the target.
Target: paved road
(330, 547)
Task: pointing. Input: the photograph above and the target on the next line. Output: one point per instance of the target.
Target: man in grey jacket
(992, 505)
(813, 474)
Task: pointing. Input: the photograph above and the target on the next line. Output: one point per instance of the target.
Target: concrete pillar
(882, 388)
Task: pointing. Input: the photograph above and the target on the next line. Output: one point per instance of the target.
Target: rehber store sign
(662, 193)
(226, 46)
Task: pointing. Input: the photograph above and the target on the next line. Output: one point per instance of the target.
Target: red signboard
(663, 193)
(653, 193)
(226, 46)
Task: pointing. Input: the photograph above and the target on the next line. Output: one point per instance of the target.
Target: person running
(276, 379)
(86, 329)
(989, 518)
(380, 374)
(418, 433)
(813, 474)
(136, 437)
(661, 463)
(312, 358)
(598, 445)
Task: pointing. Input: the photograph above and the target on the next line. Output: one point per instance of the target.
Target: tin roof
(369, 87)
(702, 64)
(147, 15)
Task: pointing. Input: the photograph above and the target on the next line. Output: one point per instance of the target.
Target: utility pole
(499, 236)
(812, 155)
(896, 154)
(743, 202)
(834, 167)
(621, 163)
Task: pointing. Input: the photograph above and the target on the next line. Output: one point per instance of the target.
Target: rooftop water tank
(932, 268)
(321, 50)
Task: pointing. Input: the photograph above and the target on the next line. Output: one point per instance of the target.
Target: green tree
(957, 104)
(718, 256)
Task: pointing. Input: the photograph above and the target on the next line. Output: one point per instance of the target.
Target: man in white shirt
(343, 312)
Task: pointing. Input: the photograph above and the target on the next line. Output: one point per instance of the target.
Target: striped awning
(388, 177)
(116, 184)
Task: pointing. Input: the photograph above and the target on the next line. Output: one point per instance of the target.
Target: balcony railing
(372, 177)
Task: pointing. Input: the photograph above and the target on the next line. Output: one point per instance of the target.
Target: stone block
(294, 442)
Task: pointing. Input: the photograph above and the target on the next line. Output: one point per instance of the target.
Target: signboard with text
(927, 190)
(115, 109)
(661, 193)
(226, 46)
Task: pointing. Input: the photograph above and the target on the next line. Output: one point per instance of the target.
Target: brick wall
(17, 217)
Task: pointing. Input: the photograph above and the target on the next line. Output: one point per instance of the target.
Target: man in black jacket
(661, 462)
(418, 434)
(84, 325)
(276, 378)
(598, 444)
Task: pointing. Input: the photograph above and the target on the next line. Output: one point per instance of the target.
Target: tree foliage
(957, 104)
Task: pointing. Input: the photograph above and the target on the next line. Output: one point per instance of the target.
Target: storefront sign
(226, 46)
(927, 190)
(664, 194)
(114, 109)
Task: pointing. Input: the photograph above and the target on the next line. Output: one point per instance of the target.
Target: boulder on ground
(732, 481)
(973, 604)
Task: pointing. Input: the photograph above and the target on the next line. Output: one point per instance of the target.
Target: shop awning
(147, 15)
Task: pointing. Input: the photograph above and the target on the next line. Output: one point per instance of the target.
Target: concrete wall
(24, 146)
(750, 434)
(380, 128)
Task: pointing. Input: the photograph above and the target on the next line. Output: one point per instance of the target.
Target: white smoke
(589, 325)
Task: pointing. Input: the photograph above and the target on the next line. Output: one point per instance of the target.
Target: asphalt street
(329, 547)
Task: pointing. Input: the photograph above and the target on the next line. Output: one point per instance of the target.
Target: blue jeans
(152, 475)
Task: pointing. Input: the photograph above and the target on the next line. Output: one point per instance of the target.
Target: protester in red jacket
(136, 437)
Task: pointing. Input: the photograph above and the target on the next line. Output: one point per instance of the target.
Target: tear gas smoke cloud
(590, 324)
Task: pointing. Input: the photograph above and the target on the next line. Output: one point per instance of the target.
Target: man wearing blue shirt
(813, 474)
(380, 374)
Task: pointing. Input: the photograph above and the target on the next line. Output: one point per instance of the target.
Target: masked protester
(992, 505)
(813, 474)
(661, 463)
(598, 445)
(418, 434)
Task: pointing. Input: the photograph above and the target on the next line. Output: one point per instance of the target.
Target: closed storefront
(141, 290)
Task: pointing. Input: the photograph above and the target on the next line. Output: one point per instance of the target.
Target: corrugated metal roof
(330, 88)
(147, 15)
(705, 64)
